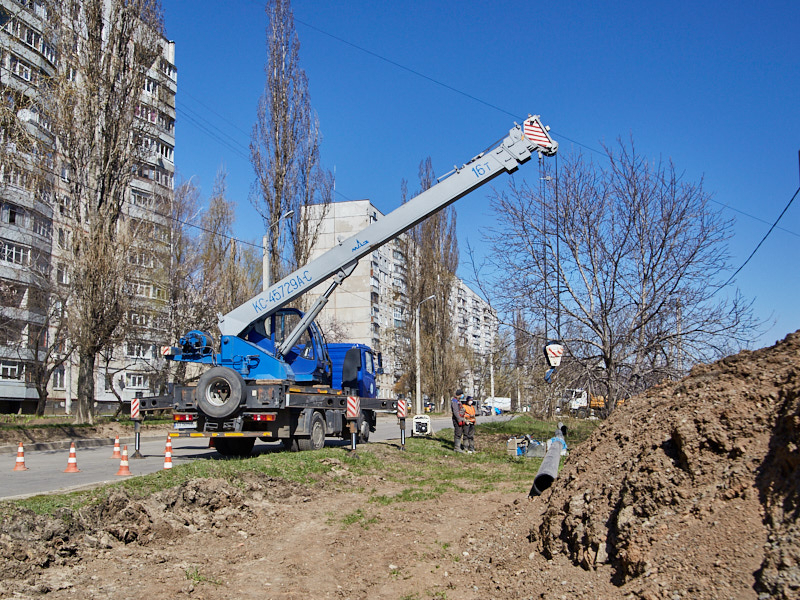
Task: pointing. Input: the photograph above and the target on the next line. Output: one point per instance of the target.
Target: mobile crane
(274, 377)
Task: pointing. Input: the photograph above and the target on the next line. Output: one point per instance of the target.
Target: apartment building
(372, 306)
(34, 231)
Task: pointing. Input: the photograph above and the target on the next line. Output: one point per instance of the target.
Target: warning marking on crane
(533, 130)
(353, 407)
(166, 350)
(401, 409)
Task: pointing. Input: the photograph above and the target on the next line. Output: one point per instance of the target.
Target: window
(42, 226)
(14, 253)
(136, 380)
(166, 122)
(141, 258)
(141, 199)
(61, 274)
(59, 381)
(33, 39)
(10, 369)
(20, 68)
(370, 363)
(165, 151)
(150, 86)
(14, 215)
(64, 205)
(49, 52)
(136, 350)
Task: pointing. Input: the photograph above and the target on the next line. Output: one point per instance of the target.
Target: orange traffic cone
(72, 461)
(20, 464)
(123, 463)
(116, 453)
(168, 454)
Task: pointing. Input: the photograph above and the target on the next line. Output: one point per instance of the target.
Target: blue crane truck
(272, 375)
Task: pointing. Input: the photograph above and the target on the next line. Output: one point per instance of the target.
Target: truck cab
(355, 368)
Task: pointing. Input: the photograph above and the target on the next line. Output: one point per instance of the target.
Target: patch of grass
(196, 576)
(359, 517)
(427, 470)
(578, 430)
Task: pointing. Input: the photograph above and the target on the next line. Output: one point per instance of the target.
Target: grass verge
(427, 469)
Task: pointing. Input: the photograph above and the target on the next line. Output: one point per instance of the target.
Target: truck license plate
(185, 425)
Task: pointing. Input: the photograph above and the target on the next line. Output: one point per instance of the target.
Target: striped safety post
(353, 410)
(137, 428)
(401, 415)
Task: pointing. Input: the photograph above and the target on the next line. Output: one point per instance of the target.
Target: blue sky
(714, 86)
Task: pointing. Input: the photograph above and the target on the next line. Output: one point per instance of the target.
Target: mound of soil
(692, 487)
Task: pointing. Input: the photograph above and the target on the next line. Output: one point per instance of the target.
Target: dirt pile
(31, 544)
(693, 486)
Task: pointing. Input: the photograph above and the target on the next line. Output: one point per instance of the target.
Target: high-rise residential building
(372, 306)
(34, 231)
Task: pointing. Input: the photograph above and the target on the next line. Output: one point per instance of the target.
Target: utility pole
(418, 395)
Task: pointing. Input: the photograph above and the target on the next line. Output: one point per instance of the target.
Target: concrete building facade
(34, 231)
(372, 305)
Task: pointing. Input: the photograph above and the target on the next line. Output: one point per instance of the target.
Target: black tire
(219, 393)
(316, 439)
(234, 446)
(363, 430)
(581, 413)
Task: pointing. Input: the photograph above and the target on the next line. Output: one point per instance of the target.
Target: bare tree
(49, 345)
(628, 255)
(431, 250)
(230, 272)
(106, 48)
(284, 148)
(182, 278)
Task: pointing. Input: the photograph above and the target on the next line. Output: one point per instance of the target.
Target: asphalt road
(46, 474)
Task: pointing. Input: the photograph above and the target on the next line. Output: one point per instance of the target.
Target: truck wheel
(234, 447)
(363, 431)
(581, 413)
(220, 391)
(315, 441)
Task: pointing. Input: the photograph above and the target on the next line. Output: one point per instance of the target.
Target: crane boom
(514, 150)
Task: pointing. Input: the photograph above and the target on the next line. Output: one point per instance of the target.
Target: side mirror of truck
(379, 370)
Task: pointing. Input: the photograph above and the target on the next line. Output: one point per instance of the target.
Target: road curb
(80, 443)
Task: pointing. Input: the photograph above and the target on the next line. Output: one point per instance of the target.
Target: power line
(762, 239)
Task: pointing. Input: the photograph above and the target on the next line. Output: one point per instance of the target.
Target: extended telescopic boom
(522, 142)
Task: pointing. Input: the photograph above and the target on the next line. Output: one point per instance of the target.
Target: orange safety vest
(469, 413)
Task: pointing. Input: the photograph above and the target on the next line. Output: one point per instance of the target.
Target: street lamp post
(418, 396)
(265, 242)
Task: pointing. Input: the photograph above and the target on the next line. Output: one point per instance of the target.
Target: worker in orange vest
(469, 425)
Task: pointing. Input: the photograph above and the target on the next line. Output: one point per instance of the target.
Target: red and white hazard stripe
(534, 131)
(401, 409)
(353, 407)
(135, 408)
